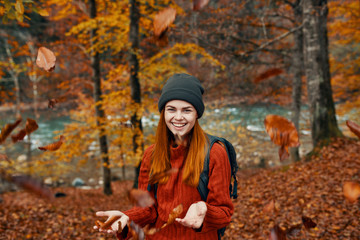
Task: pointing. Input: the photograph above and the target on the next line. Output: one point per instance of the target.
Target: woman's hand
(194, 216)
(111, 225)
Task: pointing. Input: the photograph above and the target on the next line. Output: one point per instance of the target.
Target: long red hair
(196, 150)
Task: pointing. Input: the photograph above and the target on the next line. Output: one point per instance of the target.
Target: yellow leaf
(43, 13)
(19, 7)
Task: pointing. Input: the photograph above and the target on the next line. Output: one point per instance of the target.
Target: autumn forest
(79, 85)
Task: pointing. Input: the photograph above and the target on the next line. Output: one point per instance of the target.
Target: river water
(243, 126)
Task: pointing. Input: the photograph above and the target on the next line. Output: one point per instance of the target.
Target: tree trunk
(134, 82)
(298, 70)
(14, 72)
(99, 112)
(316, 61)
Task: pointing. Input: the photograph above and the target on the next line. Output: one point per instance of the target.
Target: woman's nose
(178, 115)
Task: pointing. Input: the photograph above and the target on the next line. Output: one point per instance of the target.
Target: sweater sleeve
(219, 205)
(147, 215)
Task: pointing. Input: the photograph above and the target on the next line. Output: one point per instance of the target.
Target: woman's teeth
(178, 125)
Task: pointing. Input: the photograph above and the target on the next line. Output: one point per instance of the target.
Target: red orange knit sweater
(175, 192)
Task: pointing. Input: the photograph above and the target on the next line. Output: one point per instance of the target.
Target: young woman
(181, 144)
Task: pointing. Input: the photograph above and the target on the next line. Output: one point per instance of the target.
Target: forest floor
(303, 199)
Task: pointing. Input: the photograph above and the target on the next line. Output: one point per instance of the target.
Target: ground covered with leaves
(304, 200)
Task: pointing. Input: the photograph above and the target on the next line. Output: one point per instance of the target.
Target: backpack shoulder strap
(204, 176)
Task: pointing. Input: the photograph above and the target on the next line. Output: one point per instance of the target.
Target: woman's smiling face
(180, 117)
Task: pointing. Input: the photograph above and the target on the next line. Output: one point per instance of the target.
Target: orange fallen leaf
(351, 191)
(269, 207)
(283, 133)
(353, 128)
(199, 4)
(53, 146)
(7, 129)
(30, 126)
(163, 20)
(19, 136)
(141, 198)
(46, 59)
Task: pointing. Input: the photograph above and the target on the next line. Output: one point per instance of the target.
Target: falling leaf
(52, 103)
(19, 136)
(353, 128)
(308, 222)
(155, 178)
(199, 4)
(32, 185)
(269, 207)
(163, 20)
(283, 133)
(267, 74)
(46, 59)
(53, 146)
(174, 214)
(4, 157)
(5, 131)
(276, 233)
(141, 198)
(107, 225)
(30, 126)
(351, 191)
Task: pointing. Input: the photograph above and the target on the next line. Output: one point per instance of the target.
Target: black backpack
(204, 176)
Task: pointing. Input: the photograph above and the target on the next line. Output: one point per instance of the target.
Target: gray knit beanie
(184, 87)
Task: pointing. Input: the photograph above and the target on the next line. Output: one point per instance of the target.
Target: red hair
(197, 146)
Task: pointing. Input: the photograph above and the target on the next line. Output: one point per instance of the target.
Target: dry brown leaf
(141, 198)
(174, 214)
(107, 225)
(353, 128)
(308, 222)
(32, 185)
(163, 20)
(283, 133)
(53, 146)
(267, 74)
(269, 207)
(46, 59)
(7, 129)
(30, 126)
(351, 191)
(199, 4)
(19, 136)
